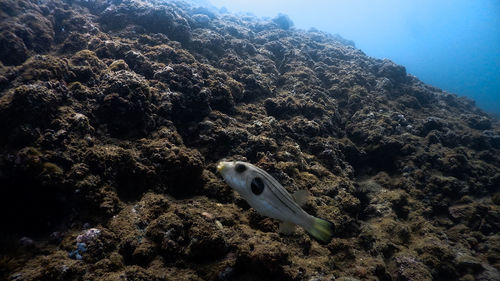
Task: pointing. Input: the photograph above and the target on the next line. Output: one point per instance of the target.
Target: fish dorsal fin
(300, 197)
(287, 227)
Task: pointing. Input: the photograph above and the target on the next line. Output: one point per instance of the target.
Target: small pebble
(219, 225)
(55, 237)
(26, 242)
(88, 235)
(208, 215)
(81, 247)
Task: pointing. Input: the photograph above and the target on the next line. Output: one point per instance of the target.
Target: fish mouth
(223, 167)
(220, 166)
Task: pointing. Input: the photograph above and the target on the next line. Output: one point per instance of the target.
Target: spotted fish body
(269, 198)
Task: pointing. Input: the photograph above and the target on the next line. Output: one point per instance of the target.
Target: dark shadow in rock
(34, 198)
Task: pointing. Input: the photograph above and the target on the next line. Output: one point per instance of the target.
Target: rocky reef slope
(114, 114)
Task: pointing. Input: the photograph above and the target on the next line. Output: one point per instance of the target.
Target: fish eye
(257, 186)
(240, 168)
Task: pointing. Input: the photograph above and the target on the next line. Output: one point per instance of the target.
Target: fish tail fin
(322, 230)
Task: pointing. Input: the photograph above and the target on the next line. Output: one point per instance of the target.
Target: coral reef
(114, 114)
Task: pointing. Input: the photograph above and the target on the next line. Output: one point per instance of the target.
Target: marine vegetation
(115, 113)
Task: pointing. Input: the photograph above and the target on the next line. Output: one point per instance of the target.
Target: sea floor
(114, 115)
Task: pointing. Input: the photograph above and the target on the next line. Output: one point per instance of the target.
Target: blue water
(451, 44)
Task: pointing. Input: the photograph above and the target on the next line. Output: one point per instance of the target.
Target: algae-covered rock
(34, 105)
(114, 115)
(409, 268)
(263, 260)
(14, 50)
(125, 106)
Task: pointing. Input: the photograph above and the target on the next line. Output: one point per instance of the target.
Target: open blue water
(451, 44)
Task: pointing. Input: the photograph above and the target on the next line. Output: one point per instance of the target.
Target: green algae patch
(51, 170)
(118, 65)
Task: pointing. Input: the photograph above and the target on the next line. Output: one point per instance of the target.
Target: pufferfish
(269, 198)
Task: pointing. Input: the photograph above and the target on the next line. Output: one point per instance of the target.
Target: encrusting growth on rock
(115, 113)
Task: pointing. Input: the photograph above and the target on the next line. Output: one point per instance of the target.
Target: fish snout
(222, 166)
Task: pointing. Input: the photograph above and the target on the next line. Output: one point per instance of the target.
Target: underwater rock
(25, 33)
(207, 242)
(283, 21)
(26, 242)
(169, 232)
(86, 66)
(179, 169)
(263, 261)
(409, 268)
(114, 115)
(479, 122)
(14, 50)
(32, 105)
(168, 20)
(88, 235)
(125, 106)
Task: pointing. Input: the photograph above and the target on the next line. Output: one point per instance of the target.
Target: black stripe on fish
(280, 188)
(277, 197)
(274, 184)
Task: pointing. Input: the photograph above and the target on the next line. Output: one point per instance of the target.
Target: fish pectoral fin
(300, 197)
(287, 227)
